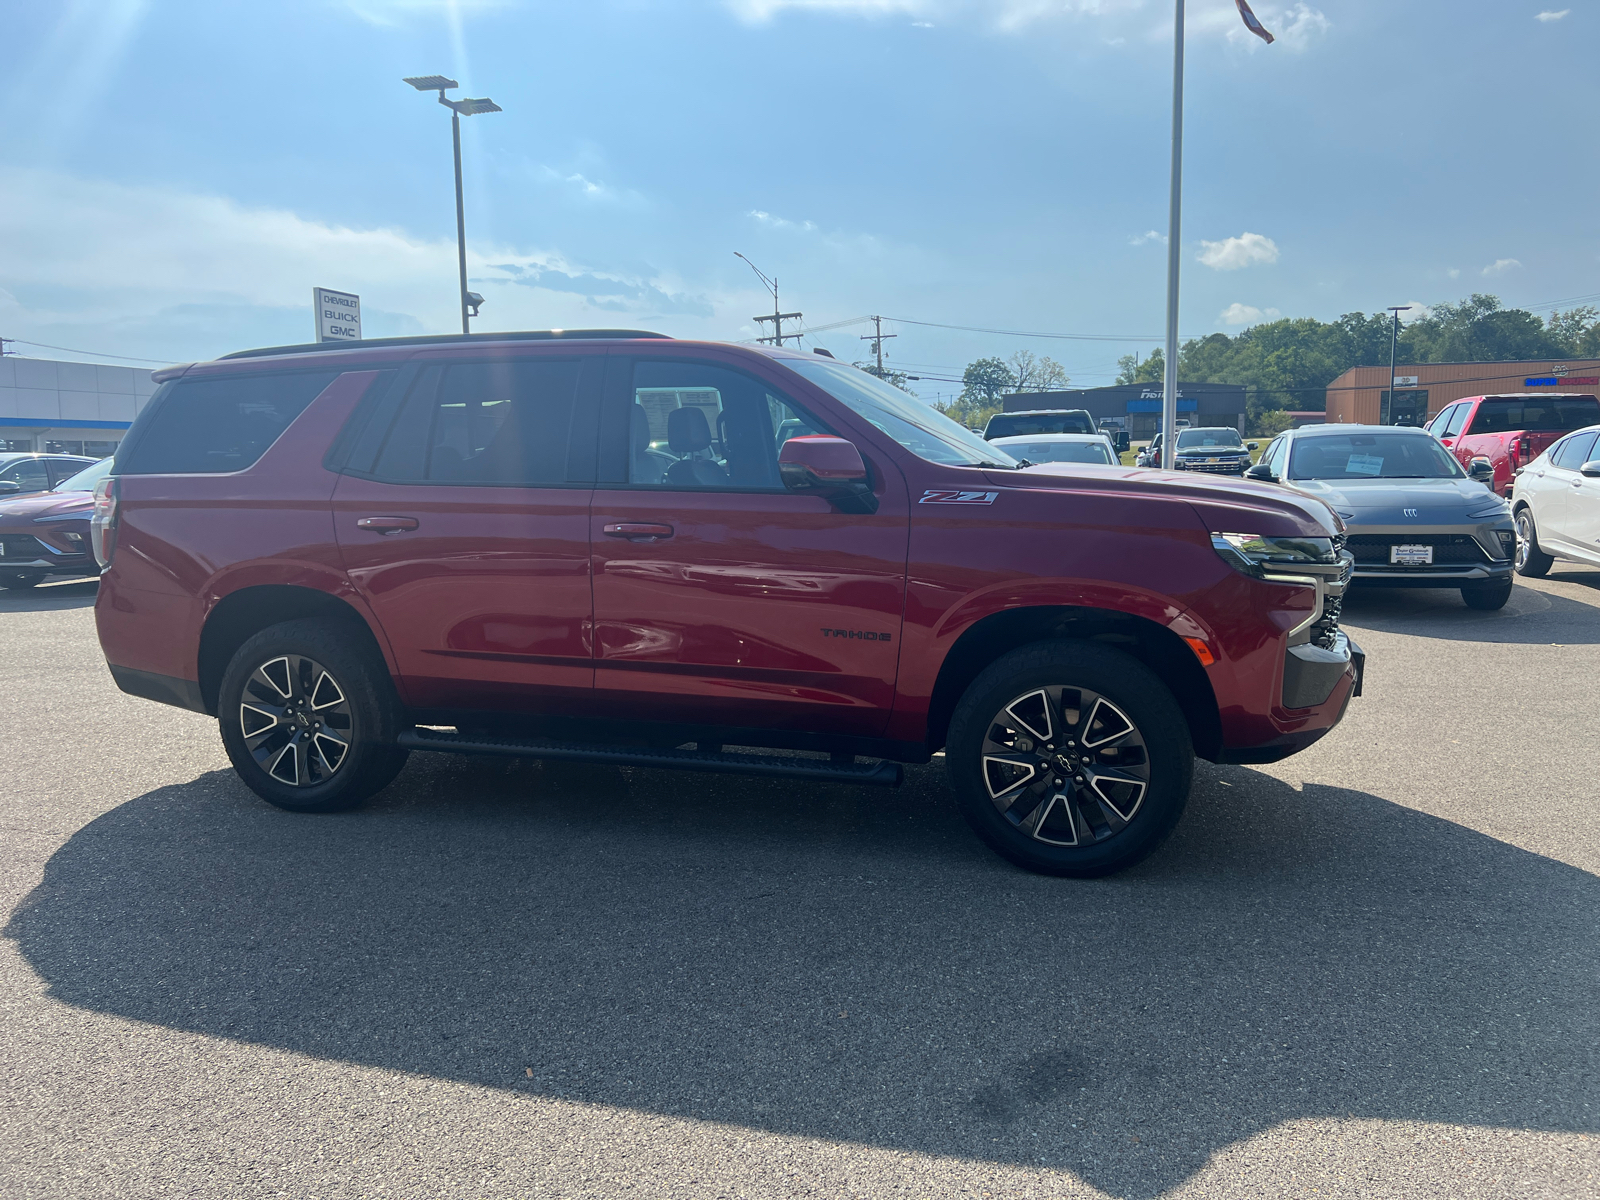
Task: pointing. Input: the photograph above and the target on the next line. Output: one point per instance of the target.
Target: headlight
(1492, 511)
(1256, 554)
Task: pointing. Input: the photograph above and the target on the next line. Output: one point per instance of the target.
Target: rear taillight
(103, 524)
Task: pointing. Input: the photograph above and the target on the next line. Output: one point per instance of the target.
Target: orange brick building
(1361, 396)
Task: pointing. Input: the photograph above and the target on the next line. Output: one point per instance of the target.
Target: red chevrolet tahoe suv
(614, 546)
(1511, 431)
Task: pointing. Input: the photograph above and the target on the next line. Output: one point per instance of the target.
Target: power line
(159, 362)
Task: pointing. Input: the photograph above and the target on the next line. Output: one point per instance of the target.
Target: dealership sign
(338, 315)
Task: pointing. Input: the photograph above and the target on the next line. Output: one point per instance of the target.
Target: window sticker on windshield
(1364, 464)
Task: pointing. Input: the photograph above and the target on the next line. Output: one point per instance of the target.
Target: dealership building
(1362, 396)
(1136, 407)
(68, 407)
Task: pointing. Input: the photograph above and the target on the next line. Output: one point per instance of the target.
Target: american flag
(1252, 23)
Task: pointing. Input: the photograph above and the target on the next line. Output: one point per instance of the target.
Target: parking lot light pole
(465, 107)
(1394, 337)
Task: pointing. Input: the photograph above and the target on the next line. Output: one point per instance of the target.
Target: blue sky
(177, 176)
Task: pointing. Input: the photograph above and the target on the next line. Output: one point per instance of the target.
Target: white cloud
(1299, 25)
(769, 221)
(1551, 16)
(1416, 312)
(1247, 314)
(101, 257)
(1454, 272)
(1145, 238)
(1501, 265)
(1231, 254)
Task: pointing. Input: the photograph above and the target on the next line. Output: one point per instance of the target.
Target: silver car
(1414, 517)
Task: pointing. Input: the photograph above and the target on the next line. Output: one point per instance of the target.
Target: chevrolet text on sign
(338, 315)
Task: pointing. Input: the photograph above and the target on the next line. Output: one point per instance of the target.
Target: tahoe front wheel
(309, 717)
(1070, 758)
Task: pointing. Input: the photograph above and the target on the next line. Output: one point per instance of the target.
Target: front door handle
(387, 524)
(638, 532)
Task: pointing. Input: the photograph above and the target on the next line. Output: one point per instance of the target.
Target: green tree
(983, 382)
(1479, 330)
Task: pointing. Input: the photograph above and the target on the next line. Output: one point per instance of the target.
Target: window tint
(1535, 412)
(29, 472)
(1030, 424)
(1376, 455)
(1273, 455)
(696, 426)
(1574, 452)
(1189, 439)
(506, 423)
(211, 425)
(1060, 452)
(1458, 418)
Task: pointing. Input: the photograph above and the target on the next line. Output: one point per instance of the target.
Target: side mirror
(9, 487)
(829, 467)
(1252, 445)
(1482, 470)
(1261, 473)
(1590, 470)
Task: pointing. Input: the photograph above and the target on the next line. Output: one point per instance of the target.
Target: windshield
(1027, 424)
(86, 479)
(922, 430)
(1056, 452)
(1189, 439)
(1374, 455)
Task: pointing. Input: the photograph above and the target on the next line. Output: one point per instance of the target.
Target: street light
(464, 107)
(1394, 336)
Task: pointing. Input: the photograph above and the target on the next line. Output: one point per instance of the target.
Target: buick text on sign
(338, 315)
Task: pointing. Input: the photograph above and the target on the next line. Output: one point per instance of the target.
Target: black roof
(447, 339)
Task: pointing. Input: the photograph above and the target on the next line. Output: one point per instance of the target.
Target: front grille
(1327, 626)
(1229, 468)
(28, 548)
(1372, 549)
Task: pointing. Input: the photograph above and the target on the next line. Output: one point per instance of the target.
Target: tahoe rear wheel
(309, 719)
(1070, 758)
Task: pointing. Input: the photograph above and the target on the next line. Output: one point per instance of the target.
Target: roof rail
(448, 339)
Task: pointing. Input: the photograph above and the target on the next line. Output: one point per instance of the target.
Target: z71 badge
(942, 496)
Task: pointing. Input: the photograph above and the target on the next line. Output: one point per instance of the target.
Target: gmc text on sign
(338, 315)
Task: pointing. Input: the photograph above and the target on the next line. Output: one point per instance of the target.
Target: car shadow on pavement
(48, 597)
(1532, 616)
(851, 964)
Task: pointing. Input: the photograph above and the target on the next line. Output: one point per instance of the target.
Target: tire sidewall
(1532, 561)
(1128, 684)
(373, 716)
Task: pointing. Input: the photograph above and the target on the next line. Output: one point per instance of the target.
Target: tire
(1531, 561)
(285, 745)
(1487, 597)
(1122, 806)
(21, 580)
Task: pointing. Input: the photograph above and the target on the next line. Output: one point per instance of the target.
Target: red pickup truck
(1511, 431)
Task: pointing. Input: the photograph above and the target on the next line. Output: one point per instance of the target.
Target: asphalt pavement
(1370, 970)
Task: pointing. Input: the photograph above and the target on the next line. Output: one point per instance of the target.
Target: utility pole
(1394, 337)
(876, 337)
(777, 316)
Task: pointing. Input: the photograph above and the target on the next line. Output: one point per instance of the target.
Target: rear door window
(1458, 418)
(507, 423)
(220, 424)
(30, 473)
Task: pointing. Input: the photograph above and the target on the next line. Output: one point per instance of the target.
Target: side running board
(880, 774)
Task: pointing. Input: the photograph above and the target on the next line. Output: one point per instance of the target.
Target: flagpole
(1169, 384)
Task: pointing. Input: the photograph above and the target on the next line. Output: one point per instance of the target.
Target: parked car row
(45, 533)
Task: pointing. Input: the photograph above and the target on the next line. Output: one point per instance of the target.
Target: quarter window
(503, 423)
(700, 427)
(205, 426)
(1458, 418)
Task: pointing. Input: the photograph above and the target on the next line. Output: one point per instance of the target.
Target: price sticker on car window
(1364, 464)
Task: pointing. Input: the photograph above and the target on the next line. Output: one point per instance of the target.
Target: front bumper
(1434, 577)
(1310, 673)
(1214, 468)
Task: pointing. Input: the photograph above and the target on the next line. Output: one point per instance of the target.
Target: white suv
(1555, 502)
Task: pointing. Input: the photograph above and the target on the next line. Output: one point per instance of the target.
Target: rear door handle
(387, 524)
(638, 532)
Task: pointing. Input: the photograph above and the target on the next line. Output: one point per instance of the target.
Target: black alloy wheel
(1070, 758)
(295, 721)
(309, 716)
(1530, 561)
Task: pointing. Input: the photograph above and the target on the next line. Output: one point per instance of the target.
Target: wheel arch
(1157, 647)
(241, 615)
